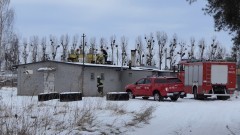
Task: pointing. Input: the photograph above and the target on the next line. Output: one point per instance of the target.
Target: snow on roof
(136, 68)
(117, 93)
(48, 93)
(97, 65)
(151, 68)
(46, 69)
(70, 93)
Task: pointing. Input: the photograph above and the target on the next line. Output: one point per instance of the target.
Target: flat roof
(99, 65)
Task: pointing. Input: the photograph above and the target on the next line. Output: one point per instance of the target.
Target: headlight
(203, 91)
(166, 89)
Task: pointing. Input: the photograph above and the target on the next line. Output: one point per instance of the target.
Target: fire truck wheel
(157, 97)
(223, 97)
(195, 93)
(182, 96)
(131, 96)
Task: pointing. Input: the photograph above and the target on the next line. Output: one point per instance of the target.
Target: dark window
(160, 81)
(140, 81)
(92, 76)
(102, 76)
(147, 81)
(174, 80)
(181, 67)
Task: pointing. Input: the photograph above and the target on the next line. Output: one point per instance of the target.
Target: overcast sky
(104, 18)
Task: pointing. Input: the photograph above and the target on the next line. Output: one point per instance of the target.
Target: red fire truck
(208, 78)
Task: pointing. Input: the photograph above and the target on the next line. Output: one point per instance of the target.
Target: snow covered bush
(94, 115)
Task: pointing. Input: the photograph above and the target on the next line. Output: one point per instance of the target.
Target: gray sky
(104, 18)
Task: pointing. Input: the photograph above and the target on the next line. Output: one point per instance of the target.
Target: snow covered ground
(95, 115)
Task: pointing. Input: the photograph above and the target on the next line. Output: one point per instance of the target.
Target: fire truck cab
(208, 78)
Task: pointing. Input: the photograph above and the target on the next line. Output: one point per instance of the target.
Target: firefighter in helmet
(100, 85)
(105, 55)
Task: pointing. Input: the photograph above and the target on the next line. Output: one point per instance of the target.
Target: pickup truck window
(140, 81)
(160, 81)
(147, 81)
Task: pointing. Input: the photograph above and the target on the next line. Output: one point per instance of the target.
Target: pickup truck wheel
(182, 96)
(174, 98)
(157, 97)
(145, 97)
(131, 96)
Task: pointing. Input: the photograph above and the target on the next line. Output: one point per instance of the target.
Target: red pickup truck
(158, 87)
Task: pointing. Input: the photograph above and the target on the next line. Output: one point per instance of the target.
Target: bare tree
(44, 49)
(140, 50)
(162, 41)
(221, 52)
(12, 52)
(6, 26)
(235, 52)
(150, 47)
(192, 48)
(212, 49)
(54, 46)
(182, 50)
(124, 45)
(104, 49)
(15, 49)
(172, 53)
(25, 52)
(34, 41)
(93, 47)
(103, 43)
(75, 42)
(112, 40)
(202, 47)
(64, 40)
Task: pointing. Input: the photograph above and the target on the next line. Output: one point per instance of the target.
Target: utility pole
(117, 53)
(166, 58)
(83, 36)
(112, 47)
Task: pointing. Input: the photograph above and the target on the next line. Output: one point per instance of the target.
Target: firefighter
(105, 55)
(99, 59)
(100, 85)
(129, 64)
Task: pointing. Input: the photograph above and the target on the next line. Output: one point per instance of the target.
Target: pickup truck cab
(158, 87)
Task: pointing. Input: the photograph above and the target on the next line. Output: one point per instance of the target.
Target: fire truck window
(181, 67)
(147, 81)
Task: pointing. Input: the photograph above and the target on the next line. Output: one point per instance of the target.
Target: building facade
(53, 76)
